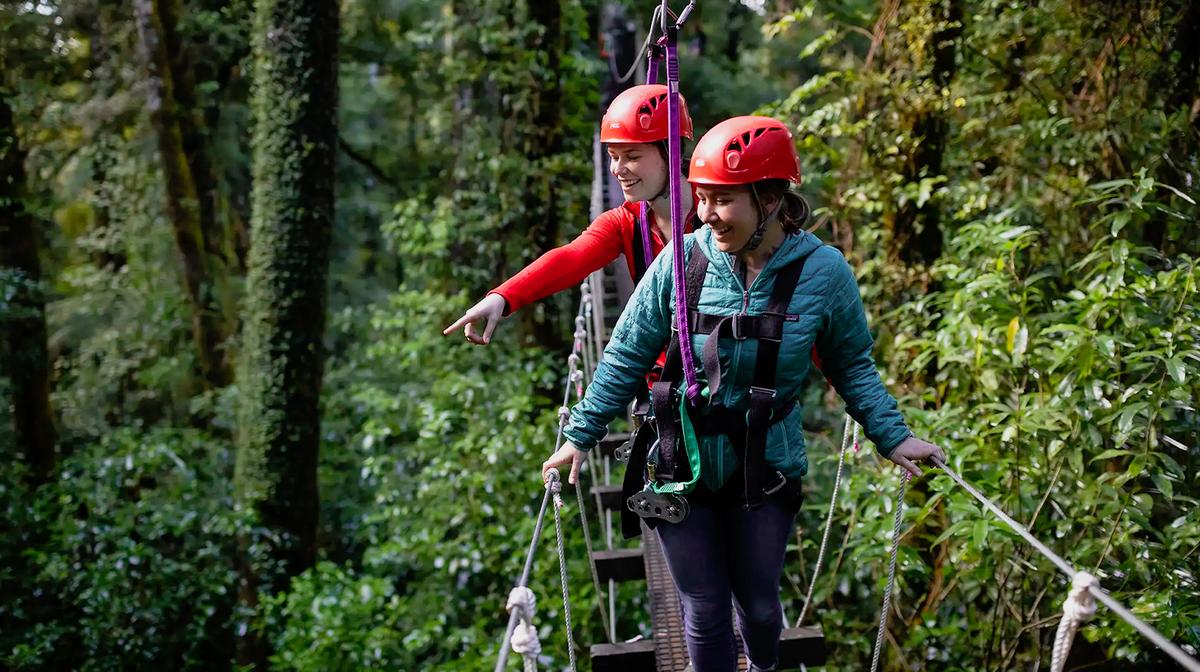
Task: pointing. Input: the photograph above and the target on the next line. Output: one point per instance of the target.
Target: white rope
(525, 638)
(837, 482)
(554, 485)
(575, 378)
(1170, 648)
(1078, 608)
(891, 580)
(513, 633)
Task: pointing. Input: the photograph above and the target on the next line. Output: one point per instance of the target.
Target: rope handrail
(523, 582)
(847, 436)
(580, 354)
(1168, 647)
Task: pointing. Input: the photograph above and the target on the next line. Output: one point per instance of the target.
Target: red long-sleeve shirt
(610, 235)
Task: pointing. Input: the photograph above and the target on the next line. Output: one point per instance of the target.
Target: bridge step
(801, 646)
(609, 496)
(622, 564)
(624, 657)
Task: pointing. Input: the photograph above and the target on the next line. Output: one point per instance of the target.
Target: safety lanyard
(653, 55)
(671, 32)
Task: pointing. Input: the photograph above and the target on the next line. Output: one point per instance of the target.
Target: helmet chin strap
(761, 229)
(666, 188)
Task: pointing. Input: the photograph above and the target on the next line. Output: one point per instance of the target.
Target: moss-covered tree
(23, 326)
(294, 143)
(187, 174)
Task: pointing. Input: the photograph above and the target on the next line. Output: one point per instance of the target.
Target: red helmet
(744, 150)
(639, 114)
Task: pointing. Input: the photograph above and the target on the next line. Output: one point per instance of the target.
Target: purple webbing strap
(673, 154)
(652, 57)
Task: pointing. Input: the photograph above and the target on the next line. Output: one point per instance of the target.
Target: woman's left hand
(568, 454)
(913, 450)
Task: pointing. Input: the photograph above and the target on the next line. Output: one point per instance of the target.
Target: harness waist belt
(723, 420)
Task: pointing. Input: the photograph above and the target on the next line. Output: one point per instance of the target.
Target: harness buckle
(777, 487)
(737, 327)
(760, 392)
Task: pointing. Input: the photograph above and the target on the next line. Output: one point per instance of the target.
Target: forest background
(1015, 184)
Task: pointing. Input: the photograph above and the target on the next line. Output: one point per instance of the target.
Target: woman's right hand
(490, 310)
(568, 454)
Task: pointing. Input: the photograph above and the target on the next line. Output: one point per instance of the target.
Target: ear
(769, 201)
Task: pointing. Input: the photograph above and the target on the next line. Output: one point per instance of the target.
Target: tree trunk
(295, 143)
(106, 255)
(545, 139)
(1179, 79)
(916, 230)
(23, 331)
(184, 204)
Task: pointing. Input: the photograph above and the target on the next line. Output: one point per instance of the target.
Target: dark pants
(722, 552)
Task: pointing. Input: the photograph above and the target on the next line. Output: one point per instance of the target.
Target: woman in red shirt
(634, 129)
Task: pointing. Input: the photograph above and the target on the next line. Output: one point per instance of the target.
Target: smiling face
(639, 168)
(729, 211)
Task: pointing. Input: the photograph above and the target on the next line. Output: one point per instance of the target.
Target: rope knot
(564, 414)
(1080, 604)
(525, 637)
(524, 601)
(553, 481)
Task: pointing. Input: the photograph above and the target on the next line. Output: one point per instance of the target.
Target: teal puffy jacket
(830, 317)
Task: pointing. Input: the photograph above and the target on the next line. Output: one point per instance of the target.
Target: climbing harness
(657, 478)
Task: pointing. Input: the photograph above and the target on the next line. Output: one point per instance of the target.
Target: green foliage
(124, 559)
(1051, 345)
(430, 476)
(1050, 348)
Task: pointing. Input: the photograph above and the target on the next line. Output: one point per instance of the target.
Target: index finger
(454, 327)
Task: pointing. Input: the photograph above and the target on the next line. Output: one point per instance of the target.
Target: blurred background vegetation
(1016, 184)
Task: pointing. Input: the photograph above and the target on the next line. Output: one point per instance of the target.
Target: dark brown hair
(794, 211)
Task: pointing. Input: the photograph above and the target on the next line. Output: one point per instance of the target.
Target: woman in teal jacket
(731, 543)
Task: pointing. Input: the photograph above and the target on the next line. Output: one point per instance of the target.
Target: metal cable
(514, 616)
(1169, 647)
(645, 45)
